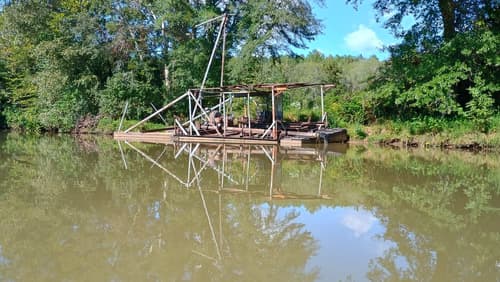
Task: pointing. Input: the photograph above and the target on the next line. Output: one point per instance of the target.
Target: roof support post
(248, 115)
(273, 106)
(322, 104)
(190, 116)
(224, 114)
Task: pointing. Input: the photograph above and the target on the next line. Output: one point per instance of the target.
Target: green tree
(65, 59)
(3, 94)
(435, 20)
(446, 65)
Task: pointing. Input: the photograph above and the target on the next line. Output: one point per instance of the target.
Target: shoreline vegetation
(64, 64)
(425, 133)
(456, 135)
(417, 133)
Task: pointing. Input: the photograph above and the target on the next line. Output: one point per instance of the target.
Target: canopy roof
(257, 89)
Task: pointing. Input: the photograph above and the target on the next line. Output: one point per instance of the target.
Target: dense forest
(61, 60)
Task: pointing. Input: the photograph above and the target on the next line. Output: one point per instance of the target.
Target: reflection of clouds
(3, 260)
(359, 221)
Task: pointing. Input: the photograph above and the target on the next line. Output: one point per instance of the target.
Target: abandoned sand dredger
(211, 120)
(217, 123)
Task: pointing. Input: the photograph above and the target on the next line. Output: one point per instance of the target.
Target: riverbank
(426, 133)
(429, 133)
(458, 134)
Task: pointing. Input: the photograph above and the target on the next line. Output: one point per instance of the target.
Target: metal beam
(159, 111)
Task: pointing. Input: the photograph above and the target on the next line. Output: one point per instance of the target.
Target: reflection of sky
(3, 260)
(347, 239)
(360, 222)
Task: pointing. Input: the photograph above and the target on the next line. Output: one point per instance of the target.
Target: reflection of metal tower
(216, 158)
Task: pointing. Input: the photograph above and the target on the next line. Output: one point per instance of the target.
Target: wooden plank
(152, 137)
(291, 142)
(222, 140)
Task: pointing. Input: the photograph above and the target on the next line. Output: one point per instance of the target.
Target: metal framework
(209, 122)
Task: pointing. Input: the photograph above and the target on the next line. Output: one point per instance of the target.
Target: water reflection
(244, 169)
(92, 209)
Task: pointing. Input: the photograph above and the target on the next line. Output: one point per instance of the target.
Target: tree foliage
(435, 20)
(65, 59)
(447, 64)
(61, 60)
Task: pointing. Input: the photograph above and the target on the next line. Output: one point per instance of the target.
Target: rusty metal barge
(217, 124)
(210, 118)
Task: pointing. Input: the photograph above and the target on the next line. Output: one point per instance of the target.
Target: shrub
(360, 133)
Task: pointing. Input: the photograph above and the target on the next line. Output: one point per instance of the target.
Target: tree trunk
(447, 9)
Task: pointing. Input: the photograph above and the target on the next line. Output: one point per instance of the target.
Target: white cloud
(363, 40)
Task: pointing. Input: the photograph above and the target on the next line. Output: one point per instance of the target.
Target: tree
(3, 95)
(446, 65)
(65, 59)
(255, 29)
(435, 20)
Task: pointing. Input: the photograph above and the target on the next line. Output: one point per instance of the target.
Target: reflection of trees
(440, 209)
(75, 211)
(68, 208)
(280, 248)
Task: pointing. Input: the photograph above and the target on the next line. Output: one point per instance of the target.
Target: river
(92, 209)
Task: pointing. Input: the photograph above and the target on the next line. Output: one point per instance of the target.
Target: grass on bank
(427, 131)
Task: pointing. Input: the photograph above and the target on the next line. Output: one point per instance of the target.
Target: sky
(350, 32)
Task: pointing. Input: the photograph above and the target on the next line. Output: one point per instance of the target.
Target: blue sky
(350, 32)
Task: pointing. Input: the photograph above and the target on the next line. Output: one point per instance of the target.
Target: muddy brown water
(91, 209)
